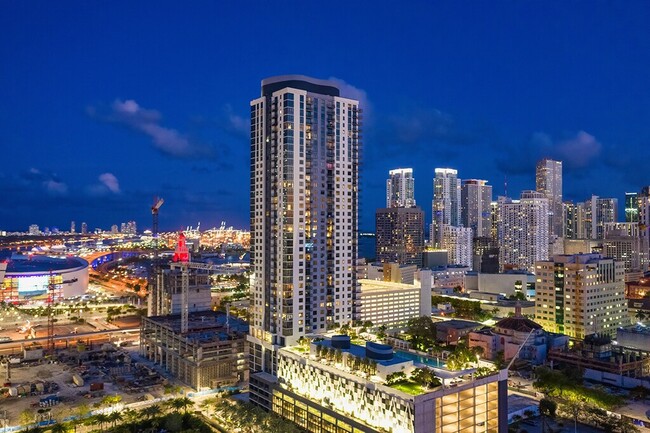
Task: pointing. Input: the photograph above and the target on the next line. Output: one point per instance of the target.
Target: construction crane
(156, 283)
(51, 295)
(182, 257)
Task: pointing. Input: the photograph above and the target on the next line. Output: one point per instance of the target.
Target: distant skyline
(104, 106)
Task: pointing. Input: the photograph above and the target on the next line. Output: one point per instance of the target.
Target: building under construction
(201, 347)
(212, 353)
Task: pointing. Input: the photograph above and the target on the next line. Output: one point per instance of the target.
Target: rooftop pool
(431, 362)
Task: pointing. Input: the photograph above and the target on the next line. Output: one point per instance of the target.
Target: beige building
(580, 294)
(393, 304)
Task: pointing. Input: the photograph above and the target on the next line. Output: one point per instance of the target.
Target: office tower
(400, 188)
(643, 203)
(34, 230)
(84, 228)
(548, 177)
(631, 207)
(446, 203)
(458, 243)
(114, 229)
(597, 212)
(73, 227)
(580, 294)
(399, 235)
(494, 221)
(303, 208)
(475, 198)
(623, 242)
(523, 230)
(574, 220)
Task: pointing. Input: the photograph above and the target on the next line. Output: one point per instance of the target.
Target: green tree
(421, 332)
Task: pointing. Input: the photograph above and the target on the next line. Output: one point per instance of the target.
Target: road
(103, 336)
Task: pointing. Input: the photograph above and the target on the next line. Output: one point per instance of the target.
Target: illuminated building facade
(580, 294)
(598, 212)
(475, 197)
(445, 204)
(523, 230)
(399, 235)
(303, 210)
(321, 393)
(631, 207)
(400, 188)
(548, 180)
(29, 276)
(458, 243)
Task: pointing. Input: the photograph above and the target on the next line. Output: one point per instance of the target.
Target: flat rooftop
(385, 286)
(203, 326)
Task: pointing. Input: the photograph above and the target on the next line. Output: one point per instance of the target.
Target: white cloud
(110, 181)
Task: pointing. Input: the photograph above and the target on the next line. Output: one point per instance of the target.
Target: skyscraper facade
(523, 230)
(399, 235)
(303, 210)
(400, 188)
(598, 212)
(475, 198)
(446, 203)
(458, 243)
(548, 179)
(631, 207)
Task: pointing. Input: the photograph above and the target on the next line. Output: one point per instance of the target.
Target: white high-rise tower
(548, 179)
(446, 203)
(523, 230)
(303, 210)
(400, 188)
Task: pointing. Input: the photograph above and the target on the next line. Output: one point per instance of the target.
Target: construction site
(200, 347)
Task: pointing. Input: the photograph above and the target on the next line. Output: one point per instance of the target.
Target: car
(5, 339)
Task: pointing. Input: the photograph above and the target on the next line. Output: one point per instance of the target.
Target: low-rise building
(450, 331)
(509, 334)
(606, 363)
(634, 337)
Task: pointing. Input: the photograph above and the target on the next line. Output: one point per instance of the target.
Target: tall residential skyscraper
(580, 294)
(475, 198)
(400, 235)
(631, 207)
(523, 230)
(446, 203)
(458, 243)
(549, 182)
(303, 211)
(400, 188)
(598, 212)
(73, 227)
(84, 228)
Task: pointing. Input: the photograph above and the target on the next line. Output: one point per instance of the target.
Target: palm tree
(151, 411)
(101, 419)
(184, 403)
(114, 417)
(640, 315)
(59, 428)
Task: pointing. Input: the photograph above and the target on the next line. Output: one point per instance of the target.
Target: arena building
(25, 277)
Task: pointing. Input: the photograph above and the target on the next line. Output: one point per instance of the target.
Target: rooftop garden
(418, 382)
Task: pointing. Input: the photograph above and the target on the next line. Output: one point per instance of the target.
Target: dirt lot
(107, 367)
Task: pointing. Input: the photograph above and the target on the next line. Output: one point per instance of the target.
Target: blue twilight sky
(104, 105)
